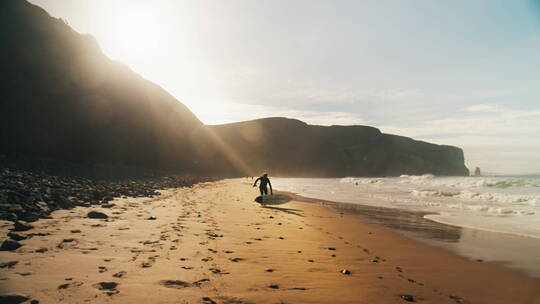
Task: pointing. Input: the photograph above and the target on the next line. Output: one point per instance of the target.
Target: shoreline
(210, 243)
(414, 225)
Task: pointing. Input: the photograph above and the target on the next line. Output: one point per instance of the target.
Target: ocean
(491, 219)
(506, 204)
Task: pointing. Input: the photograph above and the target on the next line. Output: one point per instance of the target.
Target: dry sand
(212, 244)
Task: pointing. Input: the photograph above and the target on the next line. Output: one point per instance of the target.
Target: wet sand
(211, 244)
(513, 251)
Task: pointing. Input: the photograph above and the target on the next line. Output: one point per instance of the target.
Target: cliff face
(62, 98)
(290, 147)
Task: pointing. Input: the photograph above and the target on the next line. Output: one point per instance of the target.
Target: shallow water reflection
(517, 252)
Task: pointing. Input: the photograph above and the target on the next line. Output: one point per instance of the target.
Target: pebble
(345, 271)
(408, 298)
(96, 215)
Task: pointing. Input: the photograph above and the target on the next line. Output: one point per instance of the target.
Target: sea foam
(508, 204)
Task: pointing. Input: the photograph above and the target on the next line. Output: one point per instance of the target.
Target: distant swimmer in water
(264, 181)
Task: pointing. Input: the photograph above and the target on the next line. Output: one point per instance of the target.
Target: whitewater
(505, 204)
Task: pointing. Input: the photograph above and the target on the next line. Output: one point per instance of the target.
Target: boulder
(10, 245)
(20, 226)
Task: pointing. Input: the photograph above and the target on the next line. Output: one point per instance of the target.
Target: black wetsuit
(262, 187)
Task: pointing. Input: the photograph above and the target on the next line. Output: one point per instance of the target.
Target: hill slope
(290, 147)
(61, 97)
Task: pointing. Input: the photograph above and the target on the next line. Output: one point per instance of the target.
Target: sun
(135, 31)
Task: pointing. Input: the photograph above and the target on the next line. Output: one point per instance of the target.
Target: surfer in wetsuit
(264, 181)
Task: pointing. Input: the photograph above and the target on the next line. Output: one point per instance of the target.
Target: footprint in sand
(178, 284)
(218, 271)
(120, 274)
(69, 285)
(108, 287)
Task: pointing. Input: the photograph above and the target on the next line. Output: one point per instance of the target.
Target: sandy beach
(211, 243)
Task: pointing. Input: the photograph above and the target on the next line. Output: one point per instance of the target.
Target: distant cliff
(62, 98)
(289, 147)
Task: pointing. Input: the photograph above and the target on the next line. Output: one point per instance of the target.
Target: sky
(463, 73)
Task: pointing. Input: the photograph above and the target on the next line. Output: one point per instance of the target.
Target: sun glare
(135, 31)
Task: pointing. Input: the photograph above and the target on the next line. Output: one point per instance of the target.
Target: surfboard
(273, 199)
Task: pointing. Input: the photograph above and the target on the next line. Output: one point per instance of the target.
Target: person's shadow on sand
(286, 210)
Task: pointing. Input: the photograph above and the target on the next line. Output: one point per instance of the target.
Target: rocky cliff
(289, 147)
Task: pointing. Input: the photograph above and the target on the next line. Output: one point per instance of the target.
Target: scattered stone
(151, 218)
(236, 260)
(10, 245)
(41, 250)
(408, 298)
(9, 264)
(13, 299)
(16, 236)
(28, 196)
(269, 270)
(96, 215)
(63, 286)
(207, 300)
(331, 248)
(20, 226)
(30, 235)
(175, 284)
(150, 242)
(67, 285)
(345, 272)
(217, 271)
(273, 286)
(199, 282)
